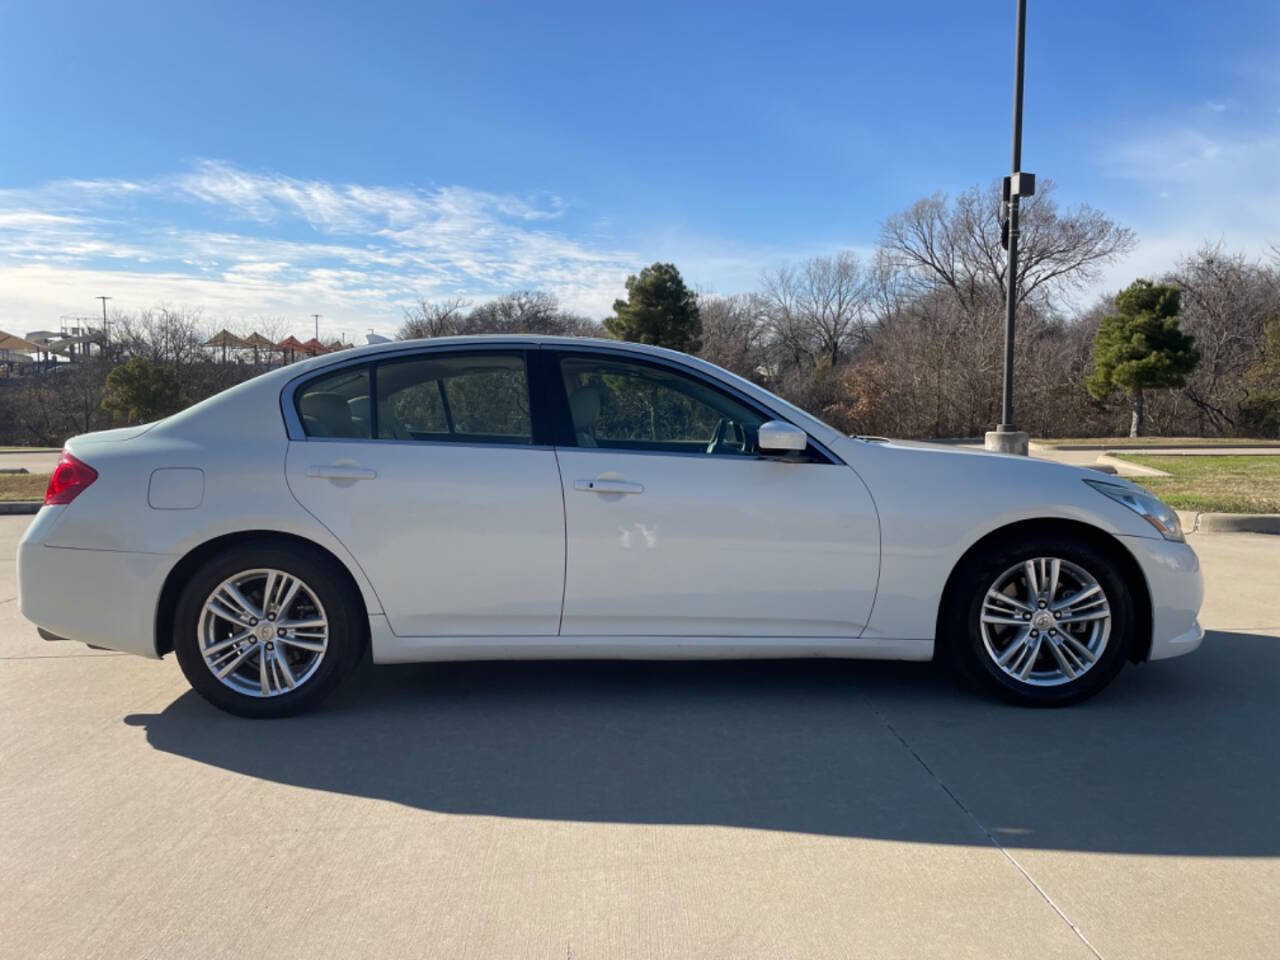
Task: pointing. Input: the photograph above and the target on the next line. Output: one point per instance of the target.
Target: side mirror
(777, 437)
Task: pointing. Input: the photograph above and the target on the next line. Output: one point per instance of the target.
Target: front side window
(336, 406)
(475, 398)
(620, 404)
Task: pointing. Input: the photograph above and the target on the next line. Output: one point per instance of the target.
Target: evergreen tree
(659, 310)
(141, 391)
(1141, 347)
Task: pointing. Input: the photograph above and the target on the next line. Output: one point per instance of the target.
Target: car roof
(492, 339)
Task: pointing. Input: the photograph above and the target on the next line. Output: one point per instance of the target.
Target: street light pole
(1007, 438)
(316, 318)
(104, 321)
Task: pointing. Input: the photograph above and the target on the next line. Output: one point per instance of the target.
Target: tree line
(905, 341)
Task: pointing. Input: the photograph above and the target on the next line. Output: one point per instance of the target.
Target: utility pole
(1007, 438)
(316, 318)
(104, 322)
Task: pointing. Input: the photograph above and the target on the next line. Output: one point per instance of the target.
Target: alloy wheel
(1045, 621)
(263, 632)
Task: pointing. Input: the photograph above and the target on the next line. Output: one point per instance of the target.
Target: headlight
(1149, 507)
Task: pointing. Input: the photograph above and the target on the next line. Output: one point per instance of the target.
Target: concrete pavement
(576, 810)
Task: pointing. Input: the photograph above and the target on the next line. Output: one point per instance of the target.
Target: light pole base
(1008, 441)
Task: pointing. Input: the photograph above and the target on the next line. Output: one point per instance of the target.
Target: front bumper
(105, 598)
(1176, 585)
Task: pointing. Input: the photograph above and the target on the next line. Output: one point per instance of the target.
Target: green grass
(23, 486)
(1119, 442)
(1214, 484)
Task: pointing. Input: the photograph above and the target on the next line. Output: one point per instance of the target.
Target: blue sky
(283, 159)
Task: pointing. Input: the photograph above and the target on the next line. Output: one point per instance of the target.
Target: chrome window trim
(293, 424)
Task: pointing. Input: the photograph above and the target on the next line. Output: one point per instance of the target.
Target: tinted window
(624, 405)
(479, 398)
(336, 405)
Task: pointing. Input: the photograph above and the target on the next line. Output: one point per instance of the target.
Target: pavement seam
(987, 833)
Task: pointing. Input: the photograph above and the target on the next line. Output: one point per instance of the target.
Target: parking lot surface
(579, 810)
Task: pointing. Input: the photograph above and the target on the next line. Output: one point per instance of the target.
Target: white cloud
(243, 243)
(1191, 187)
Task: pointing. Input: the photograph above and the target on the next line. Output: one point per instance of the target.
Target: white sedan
(537, 497)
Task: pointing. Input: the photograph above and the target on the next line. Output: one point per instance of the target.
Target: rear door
(426, 468)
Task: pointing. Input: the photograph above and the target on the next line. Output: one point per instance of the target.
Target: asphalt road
(573, 810)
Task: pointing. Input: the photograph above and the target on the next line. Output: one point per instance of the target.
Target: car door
(425, 467)
(677, 526)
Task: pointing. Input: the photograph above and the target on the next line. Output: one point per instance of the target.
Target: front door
(677, 526)
(425, 468)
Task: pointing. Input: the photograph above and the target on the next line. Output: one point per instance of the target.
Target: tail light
(70, 478)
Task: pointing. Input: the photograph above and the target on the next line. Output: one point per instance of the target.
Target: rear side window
(463, 397)
(336, 405)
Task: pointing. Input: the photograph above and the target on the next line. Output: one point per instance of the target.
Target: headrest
(584, 405)
(330, 411)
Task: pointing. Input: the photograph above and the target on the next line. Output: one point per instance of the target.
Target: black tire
(323, 577)
(962, 628)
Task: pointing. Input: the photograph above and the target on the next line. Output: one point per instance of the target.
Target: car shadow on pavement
(1180, 757)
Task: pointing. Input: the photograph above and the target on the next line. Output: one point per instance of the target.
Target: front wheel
(267, 629)
(1044, 622)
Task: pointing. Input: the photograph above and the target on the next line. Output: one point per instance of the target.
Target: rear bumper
(106, 598)
(1176, 584)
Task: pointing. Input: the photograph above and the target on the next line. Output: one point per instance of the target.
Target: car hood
(950, 459)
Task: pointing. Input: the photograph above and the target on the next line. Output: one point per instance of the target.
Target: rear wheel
(1044, 622)
(267, 629)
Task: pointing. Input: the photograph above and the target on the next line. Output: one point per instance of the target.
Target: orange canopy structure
(224, 338)
(9, 341)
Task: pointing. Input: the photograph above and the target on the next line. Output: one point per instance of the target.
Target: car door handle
(608, 486)
(331, 472)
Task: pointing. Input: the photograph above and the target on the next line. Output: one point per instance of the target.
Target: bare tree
(173, 335)
(735, 333)
(957, 245)
(433, 318)
(528, 311)
(819, 309)
(522, 311)
(1226, 302)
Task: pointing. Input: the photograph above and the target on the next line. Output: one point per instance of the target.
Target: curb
(11, 507)
(1237, 523)
(1159, 449)
(1126, 469)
